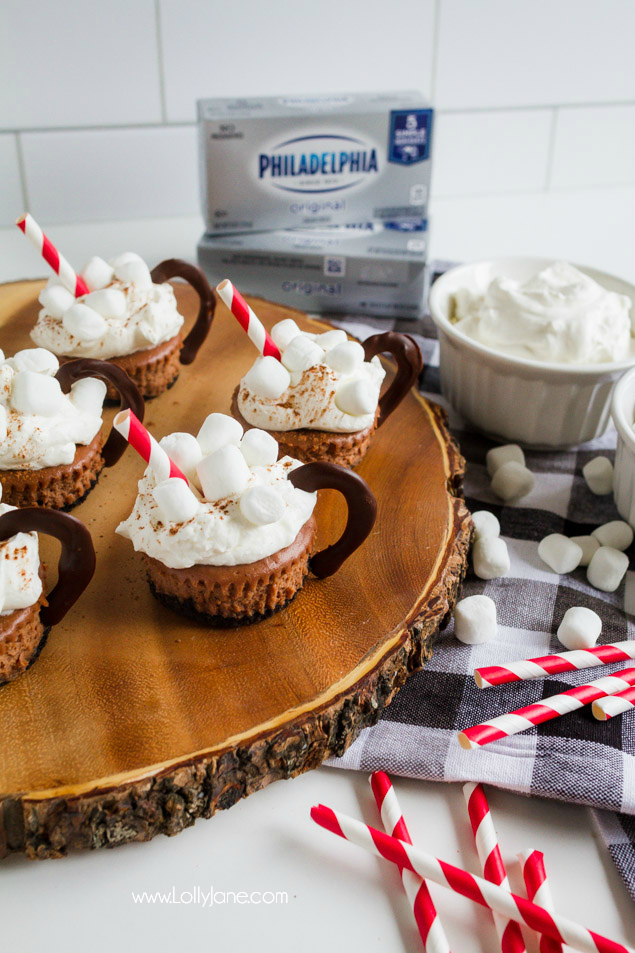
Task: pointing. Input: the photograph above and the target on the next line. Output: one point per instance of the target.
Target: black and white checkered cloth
(574, 758)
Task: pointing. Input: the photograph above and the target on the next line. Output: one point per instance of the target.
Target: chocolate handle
(77, 560)
(177, 268)
(409, 364)
(362, 510)
(129, 395)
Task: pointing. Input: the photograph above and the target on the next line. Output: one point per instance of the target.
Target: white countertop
(339, 898)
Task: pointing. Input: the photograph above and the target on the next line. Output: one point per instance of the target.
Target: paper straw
(425, 914)
(248, 319)
(141, 440)
(50, 254)
(468, 885)
(509, 935)
(553, 707)
(532, 863)
(613, 705)
(553, 664)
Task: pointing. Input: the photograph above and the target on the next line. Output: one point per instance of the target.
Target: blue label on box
(410, 134)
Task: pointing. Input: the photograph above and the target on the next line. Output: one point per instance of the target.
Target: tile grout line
(551, 151)
(22, 170)
(436, 29)
(160, 64)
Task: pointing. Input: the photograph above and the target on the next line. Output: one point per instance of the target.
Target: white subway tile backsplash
(111, 174)
(249, 47)
(497, 53)
(11, 196)
(488, 152)
(78, 63)
(594, 146)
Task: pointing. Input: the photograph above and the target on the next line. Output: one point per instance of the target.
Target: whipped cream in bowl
(20, 581)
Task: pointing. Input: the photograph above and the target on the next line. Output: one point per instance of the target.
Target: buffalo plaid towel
(574, 758)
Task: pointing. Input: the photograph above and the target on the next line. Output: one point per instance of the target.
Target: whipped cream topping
(40, 426)
(124, 312)
(560, 315)
(20, 583)
(242, 507)
(323, 383)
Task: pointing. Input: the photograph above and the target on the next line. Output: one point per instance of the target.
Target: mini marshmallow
(3, 427)
(497, 456)
(512, 480)
(560, 553)
(36, 359)
(607, 568)
(616, 534)
(223, 473)
(259, 448)
(490, 558)
(109, 303)
(97, 273)
(56, 299)
(124, 258)
(135, 272)
(346, 357)
(84, 323)
(301, 353)
(7, 373)
(598, 474)
(36, 394)
(175, 500)
(475, 620)
(261, 505)
(88, 395)
(357, 397)
(580, 628)
(588, 545)
(330, 339)
(217, 431)
(267, 378)
(184, 450)
(485, 524)
(284, 332)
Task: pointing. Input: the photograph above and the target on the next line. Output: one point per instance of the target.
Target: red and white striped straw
(509, 935)
(605, 708)
(141, 440)
(50, 254)
(425, 914)
(248, 320)
(525, 669)
(522, 719)
(462, 882)
(532, 863)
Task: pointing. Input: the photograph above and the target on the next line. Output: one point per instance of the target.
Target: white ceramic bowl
(512, 398)
(623, 413)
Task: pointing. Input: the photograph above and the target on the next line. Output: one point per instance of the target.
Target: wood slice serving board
(136, 721)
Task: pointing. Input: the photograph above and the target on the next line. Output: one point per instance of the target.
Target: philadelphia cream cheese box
(296, 161)
(372, 269)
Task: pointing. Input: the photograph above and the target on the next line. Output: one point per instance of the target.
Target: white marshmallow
(267, 378)
(512, 480)
(560, 553)
(88, 395)
(346, 357)
(580, 628)
(217, 431)
(259, 448)
(109, 302)
(301, 353)
(497, 456)
(223, 473)
(175, 500)
(36, 359)
(607, 568)
(588, 545)
(330, 339)
(36, 394)
(485, 524)
(84, 323)
(135, 272)
(3, 426)
(475, 620)
(124, 258)
(490, 558)
(616, 534)
(184, 450)
(56, 299)
(598, 474)
(261, 505)
(53, 281)
(284, 332)
(97, 273)
(7, 373)
(357, 397)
